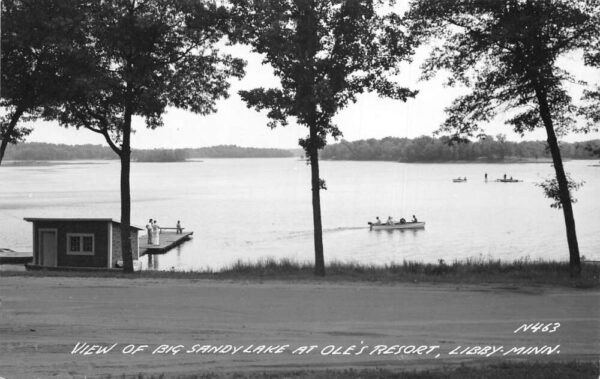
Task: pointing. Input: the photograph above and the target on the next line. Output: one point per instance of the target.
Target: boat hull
(408, 225)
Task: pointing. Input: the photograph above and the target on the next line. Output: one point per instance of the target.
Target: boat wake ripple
(299, 234)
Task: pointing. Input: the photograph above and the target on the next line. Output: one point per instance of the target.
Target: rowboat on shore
(406, 225)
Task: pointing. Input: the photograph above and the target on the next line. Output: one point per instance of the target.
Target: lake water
(251, 209)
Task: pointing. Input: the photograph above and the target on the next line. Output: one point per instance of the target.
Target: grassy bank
(554, 370)
(472, 271)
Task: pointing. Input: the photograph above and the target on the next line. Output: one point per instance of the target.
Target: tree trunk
(126, 195)
(316, 204)
(307, 40)
(9, 130)
(3, 145)
(563, 187)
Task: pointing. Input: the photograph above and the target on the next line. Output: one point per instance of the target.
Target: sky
(370, 117)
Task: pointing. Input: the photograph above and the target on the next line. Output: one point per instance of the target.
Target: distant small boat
(511, 180)
(406, 225)
(459, 180)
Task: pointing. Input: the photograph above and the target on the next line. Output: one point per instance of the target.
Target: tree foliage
(149, 55)
(552, 191)
(591, 96)
(41, 55)
(325, 53)
(503, 50)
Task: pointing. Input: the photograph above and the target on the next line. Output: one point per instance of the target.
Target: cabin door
(48, 248)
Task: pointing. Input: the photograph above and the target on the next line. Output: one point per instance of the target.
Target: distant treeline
(35, 151)
(159, 155)
(428, 149)
(232, 151)
(421, 149)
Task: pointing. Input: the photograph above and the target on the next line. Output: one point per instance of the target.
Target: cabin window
(80, 244)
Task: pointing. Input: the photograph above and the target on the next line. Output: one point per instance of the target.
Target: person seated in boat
(414, 219)
(377, 221)
(390, 220)
(402, 221)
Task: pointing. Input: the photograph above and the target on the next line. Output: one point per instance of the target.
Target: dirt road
(239, 326)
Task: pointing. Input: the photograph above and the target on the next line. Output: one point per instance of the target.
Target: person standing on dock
(179, 228)
(155, 233)
(149, 226)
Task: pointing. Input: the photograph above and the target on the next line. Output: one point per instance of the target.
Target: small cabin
(79, 242)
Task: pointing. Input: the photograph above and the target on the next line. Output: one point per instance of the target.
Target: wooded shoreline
(418, 150)
(35, 151)
(426, 149)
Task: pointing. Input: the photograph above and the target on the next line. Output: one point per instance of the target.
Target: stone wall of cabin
(117, 254)
(116, 244)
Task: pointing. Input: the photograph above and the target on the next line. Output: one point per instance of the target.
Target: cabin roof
(75, 219)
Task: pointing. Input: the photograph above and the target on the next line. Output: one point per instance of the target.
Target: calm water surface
(250, 209)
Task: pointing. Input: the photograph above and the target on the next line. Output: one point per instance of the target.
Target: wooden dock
(168, 240)
(8, 256)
